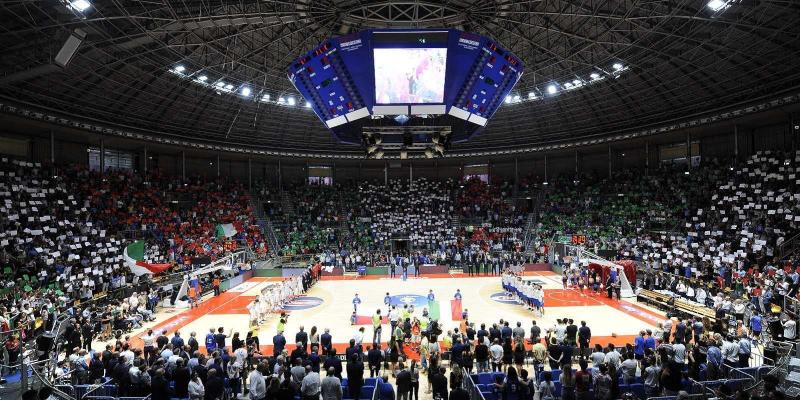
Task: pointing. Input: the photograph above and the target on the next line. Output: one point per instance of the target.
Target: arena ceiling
(659, 60)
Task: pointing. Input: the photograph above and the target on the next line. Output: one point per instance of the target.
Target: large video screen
(409, 76)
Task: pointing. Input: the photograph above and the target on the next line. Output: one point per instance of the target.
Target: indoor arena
(399, 200)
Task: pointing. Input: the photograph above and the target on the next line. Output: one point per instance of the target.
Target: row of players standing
(469, 260)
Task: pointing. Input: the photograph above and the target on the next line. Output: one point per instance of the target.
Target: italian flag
(134, 259)
(225, 231)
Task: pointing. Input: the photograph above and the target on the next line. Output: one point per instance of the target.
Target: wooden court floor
(329, 305)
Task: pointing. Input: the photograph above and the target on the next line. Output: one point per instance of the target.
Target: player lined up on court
(527, 293)
(275, 297)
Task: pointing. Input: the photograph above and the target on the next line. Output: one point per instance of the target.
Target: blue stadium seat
(556, 374)
(638, 390)
(557, 387)
(489, 396)
(366, 392)
(485, 378)
(496, 374)
(736, 384)
(370, 381)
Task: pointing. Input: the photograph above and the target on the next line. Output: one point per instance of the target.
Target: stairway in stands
(532, 222)
(456, 221)
(287, 205)
(257, 204)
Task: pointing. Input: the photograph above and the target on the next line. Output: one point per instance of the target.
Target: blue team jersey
(638, 345)
(430, 297)
(356, 300)
(755, 323)
(457, 296)
(211, 343)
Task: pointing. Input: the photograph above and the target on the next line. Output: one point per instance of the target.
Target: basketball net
(626, 290)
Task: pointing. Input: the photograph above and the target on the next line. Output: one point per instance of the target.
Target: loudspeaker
(70, 47)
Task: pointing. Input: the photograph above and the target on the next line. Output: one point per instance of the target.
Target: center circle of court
(303, 303)
(409, 300)
(502, 297)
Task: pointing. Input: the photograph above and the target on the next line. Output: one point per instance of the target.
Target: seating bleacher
(661, 299)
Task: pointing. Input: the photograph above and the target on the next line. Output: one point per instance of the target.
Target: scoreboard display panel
(445, 74)
(578, 239)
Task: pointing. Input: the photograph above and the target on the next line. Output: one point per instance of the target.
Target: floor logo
(640, 313)
(303, 303)
(409, 299)
(502, 297)
(534, 281)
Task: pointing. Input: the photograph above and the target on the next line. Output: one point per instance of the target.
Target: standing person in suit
(439, 384)
(403, 383)
(374, 358)
(301, 339)
(355, 376)
(192, 342)
(278, 344)
(326, 341)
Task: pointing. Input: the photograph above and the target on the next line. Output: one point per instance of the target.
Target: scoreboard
(445, 76)
(578, 239)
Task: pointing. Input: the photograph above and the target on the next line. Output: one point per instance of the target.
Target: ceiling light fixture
(617, 66)
(246, 91)
(79, 5)
(180, 68)
(717, 5)
(552, 89)
(291, 101)
(202, 78)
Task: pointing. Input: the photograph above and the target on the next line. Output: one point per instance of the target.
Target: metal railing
(789, 246)
(104, 389)
(791, 306)
(376, 393)
(469, 385)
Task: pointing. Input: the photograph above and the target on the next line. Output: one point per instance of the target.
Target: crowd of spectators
(63, 231)
(627, 204)
(354, 223)
(420, 211)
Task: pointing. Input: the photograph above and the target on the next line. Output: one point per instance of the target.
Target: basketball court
(328, 304)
